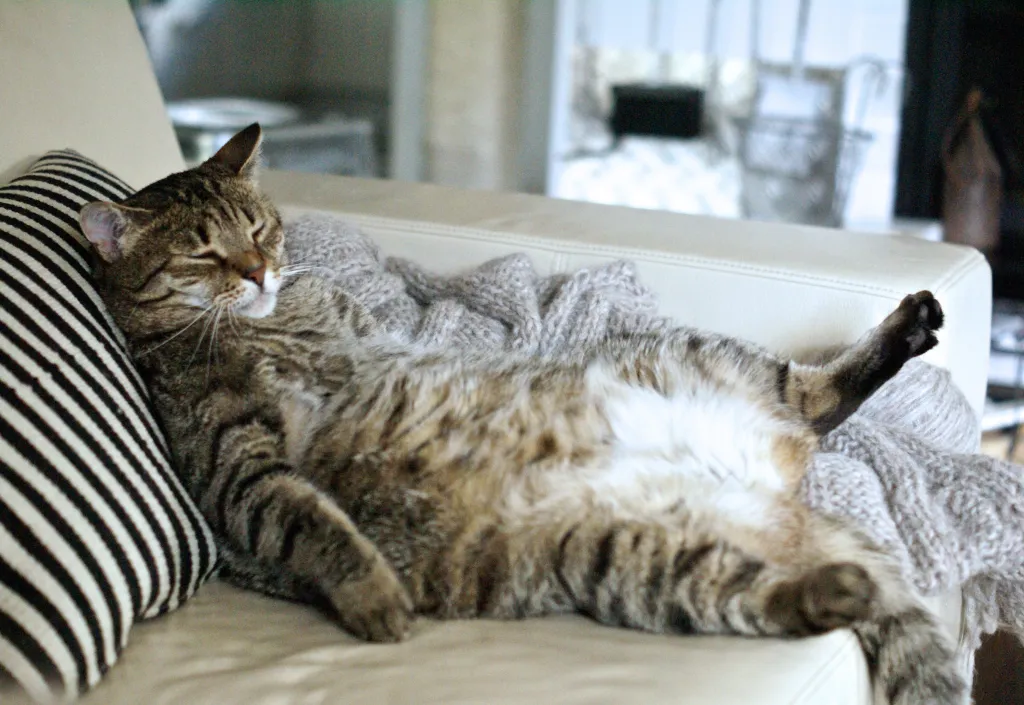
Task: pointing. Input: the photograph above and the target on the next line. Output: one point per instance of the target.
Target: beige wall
(225, 47)
(474, 80)
(270, 49)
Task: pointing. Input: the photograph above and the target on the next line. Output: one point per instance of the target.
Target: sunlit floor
(997, 444)
(684, 176)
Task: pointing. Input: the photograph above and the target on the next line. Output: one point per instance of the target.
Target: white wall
(838, 30)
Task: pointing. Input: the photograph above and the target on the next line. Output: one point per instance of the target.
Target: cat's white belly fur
(701, 449)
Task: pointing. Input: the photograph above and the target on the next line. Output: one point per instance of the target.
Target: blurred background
(725, 107)
(848, 113)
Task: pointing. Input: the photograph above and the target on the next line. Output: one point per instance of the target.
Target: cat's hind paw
(830, 597)
(838, 595)
(911, 327)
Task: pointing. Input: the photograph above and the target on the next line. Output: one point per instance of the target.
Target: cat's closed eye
(211, 257)
(258, 232)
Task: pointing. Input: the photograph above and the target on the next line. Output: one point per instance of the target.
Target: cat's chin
(260, 307)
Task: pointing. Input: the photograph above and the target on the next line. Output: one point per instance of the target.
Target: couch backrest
(75, 73)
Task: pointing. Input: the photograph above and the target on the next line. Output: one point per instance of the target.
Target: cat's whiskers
(211, 354)
(202, 336)
(132, 313)
(291, 270)
(189, 325)
(293, 273)
(233, 321)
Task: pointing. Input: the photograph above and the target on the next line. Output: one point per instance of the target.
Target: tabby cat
(651, 484)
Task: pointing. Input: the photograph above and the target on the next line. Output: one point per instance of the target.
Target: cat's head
(202, 238)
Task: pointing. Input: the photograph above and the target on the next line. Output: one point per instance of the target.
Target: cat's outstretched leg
(666, 578)
(826, 395)
(653, 577)
(266, 511)
(650, 577)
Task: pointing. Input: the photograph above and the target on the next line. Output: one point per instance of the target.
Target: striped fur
(651, 484)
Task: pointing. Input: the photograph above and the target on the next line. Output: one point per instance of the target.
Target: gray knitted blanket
(904, 467)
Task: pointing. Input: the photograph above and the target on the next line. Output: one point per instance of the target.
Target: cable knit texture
(905, 467)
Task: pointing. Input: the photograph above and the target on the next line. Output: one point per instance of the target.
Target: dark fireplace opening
(953, 46)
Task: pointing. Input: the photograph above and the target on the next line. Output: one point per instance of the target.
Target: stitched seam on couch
(958, 273)
(637, 254)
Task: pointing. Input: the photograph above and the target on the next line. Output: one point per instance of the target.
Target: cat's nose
(256, 273)
(251, 266)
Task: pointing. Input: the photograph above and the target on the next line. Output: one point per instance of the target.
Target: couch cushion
(95, 530)
(230, 647)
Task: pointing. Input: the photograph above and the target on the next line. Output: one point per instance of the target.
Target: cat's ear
(106, 226)
(241, 154)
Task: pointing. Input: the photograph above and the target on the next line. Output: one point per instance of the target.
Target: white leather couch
(75, 74)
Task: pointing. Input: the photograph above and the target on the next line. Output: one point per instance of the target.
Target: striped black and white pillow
(95, 530)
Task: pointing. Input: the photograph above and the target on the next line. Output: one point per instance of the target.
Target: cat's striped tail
(913, 661)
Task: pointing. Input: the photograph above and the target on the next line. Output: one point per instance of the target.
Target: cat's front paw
(375, 607)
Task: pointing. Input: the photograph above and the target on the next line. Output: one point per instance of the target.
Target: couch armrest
(784, 286)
